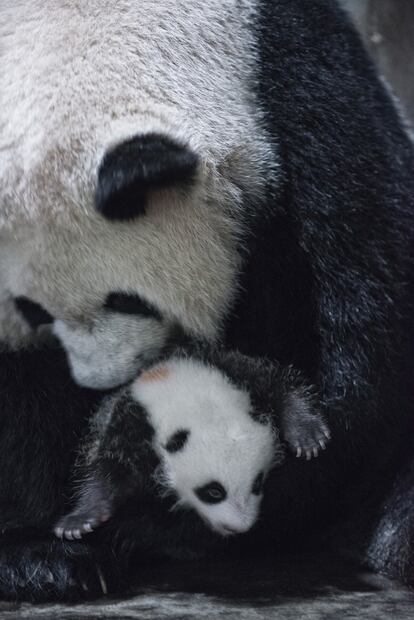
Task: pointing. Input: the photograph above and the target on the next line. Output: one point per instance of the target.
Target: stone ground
(315, 588)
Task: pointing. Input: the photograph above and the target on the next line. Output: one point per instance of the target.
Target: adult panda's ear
(135, 167)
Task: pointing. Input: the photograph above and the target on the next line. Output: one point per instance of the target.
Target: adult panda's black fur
(43, 416)
(322, 288)
(335, 254)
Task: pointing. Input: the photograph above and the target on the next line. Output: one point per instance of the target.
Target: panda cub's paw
(312, 437)
(308, 437)
(306, 434)
(77, 523)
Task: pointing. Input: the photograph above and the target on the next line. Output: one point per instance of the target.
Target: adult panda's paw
(51, 570)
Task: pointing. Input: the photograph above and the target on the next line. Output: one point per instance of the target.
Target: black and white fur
(272, 185)
(181, 143)
(185, 427)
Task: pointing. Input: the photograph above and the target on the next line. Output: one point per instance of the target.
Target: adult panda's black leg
(390, 549)
(390, 544)
(43, 415)
(38, 567)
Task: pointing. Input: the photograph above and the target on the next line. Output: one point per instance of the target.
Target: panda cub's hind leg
(105, 485)
(94, 507)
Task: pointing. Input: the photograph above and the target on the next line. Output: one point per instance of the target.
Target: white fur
(79, 77)
(107, 354)
(225, 443)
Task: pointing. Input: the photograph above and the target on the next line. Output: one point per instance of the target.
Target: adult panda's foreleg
(43, 416)
(390, 549)
(39, 568)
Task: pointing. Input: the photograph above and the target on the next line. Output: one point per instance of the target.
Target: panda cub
(186, 426)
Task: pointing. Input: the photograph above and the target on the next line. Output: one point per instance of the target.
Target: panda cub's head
(214, 454)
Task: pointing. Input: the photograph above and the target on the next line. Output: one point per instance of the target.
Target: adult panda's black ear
(133, 168)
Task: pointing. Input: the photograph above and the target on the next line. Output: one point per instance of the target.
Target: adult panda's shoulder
(345, 193)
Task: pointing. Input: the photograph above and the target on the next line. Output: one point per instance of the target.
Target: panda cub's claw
(307, 436)
(76, 525)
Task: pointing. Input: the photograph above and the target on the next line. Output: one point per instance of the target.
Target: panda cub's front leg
(303, 429)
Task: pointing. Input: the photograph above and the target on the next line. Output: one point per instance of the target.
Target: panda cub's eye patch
(211, 493)
(177, 441)
(127, 303)
(257, 487)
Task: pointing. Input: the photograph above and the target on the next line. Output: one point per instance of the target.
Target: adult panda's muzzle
(112, 352)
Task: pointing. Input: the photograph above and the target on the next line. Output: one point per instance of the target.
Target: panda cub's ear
(133, 168)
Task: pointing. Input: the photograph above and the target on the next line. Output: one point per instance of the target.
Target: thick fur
(44, 417)
(135, 168)
(184, 81)
(294, 243)
(184, 425)
(42, 420)
(33, 564)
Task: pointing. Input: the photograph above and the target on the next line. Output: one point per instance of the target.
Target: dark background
(387, 27)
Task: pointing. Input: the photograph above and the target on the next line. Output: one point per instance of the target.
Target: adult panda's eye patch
(127, 303)
(133, 168)
(33, 313)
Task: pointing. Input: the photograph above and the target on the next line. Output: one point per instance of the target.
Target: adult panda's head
(131, 148)
(154, 256)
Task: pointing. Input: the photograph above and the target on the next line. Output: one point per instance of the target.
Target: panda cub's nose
(226, 529)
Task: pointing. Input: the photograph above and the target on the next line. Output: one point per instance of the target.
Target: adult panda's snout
(112, 352)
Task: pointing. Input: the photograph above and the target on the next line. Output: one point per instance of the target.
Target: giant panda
(231, 171)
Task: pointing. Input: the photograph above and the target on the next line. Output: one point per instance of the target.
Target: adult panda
(233, 170)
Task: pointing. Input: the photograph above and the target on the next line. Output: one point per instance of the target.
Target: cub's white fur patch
(225, 443)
